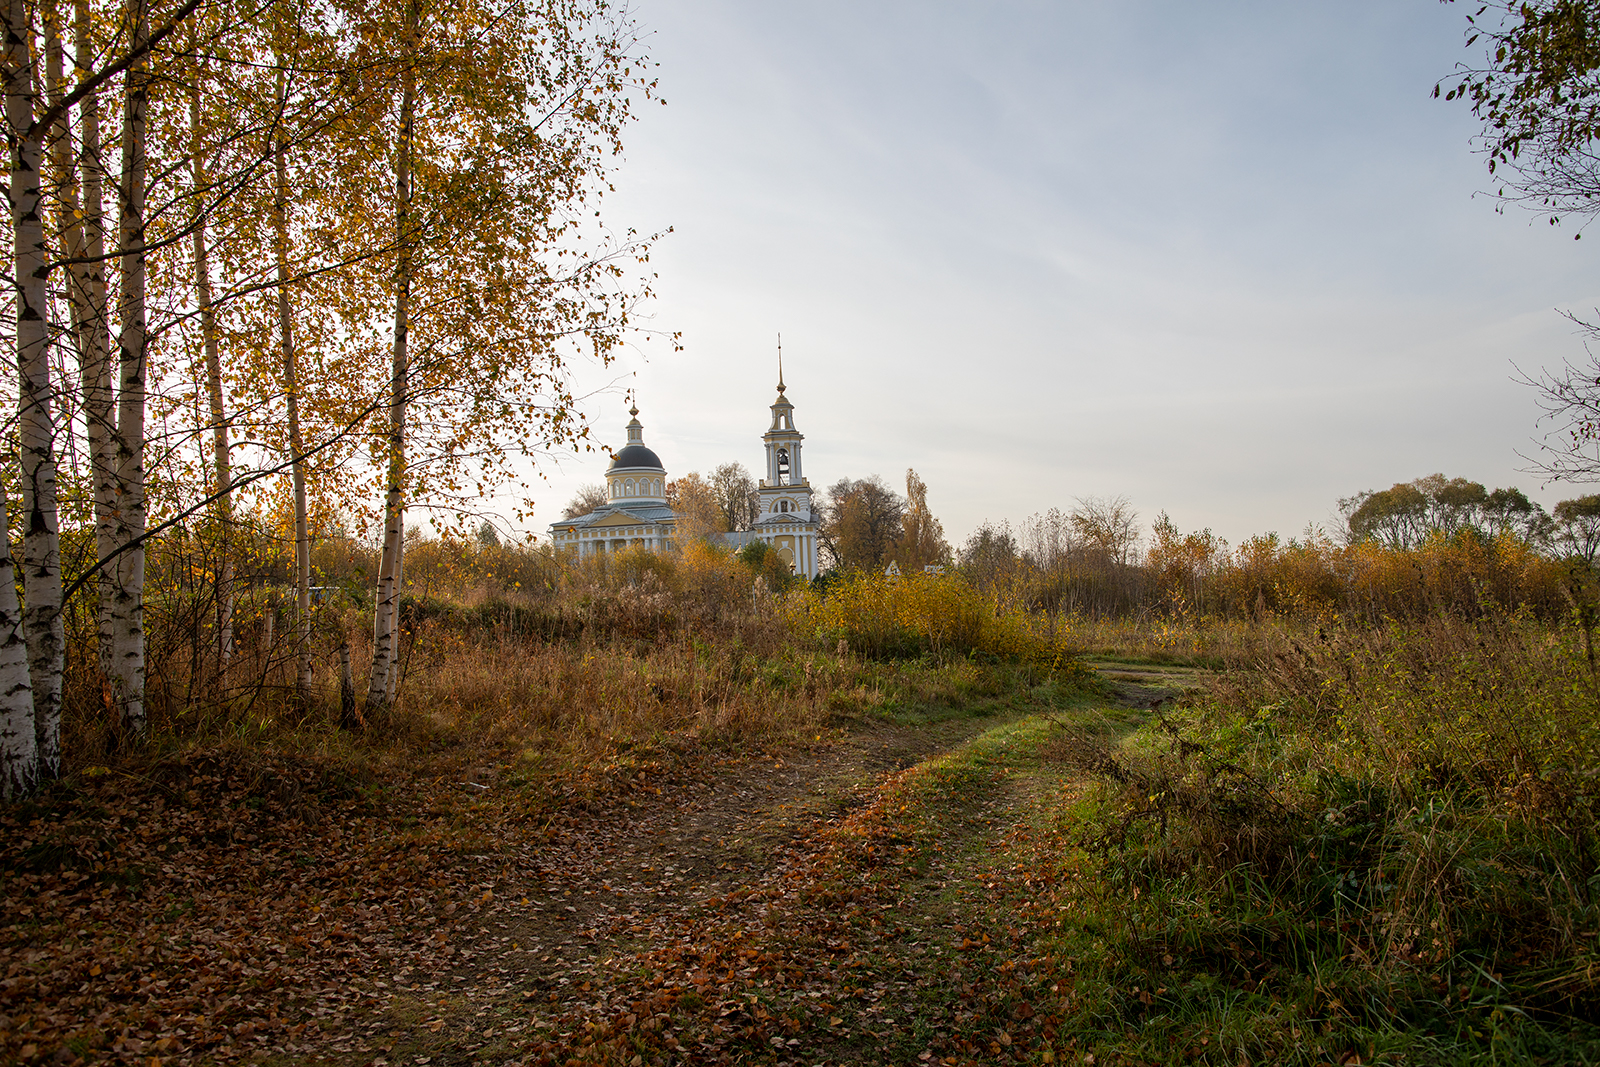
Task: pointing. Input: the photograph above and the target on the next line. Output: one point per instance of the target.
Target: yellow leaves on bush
(908, 615)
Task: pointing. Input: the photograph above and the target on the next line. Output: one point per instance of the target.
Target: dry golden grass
(1186, 639)
(580, 698)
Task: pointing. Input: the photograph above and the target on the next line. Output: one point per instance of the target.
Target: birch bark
(92, 319)
(71, 229)
(127, 673)
(385, 676)
(19, 750)
(221, 459)
(41, 551)
(291, 390)
(70, 224)
(393, 686)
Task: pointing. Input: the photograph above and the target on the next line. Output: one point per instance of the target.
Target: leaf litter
(793, 906)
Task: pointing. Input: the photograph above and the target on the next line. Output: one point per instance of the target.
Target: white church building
(636, 511)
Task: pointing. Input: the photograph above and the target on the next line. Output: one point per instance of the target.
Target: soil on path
(650, 890)
(633, 869)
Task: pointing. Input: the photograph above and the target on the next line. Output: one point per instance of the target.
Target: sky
(1228, 260)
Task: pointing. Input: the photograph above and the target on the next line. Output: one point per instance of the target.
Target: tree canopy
(1535, 84)
(735, 491)
(587, 500)
(1405, 514)
(340, 257)
(1578, 526)
(921, 542)
(1537, 92)
(862, 519)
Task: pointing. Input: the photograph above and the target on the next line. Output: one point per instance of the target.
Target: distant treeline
(1430, 545)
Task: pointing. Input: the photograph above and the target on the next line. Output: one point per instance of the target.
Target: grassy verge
(1374, 845)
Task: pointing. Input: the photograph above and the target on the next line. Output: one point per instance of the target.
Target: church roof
(637, 456)
(640, 513)
(779, 518)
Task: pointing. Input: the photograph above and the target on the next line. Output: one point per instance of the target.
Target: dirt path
(755, 897)
(567, 918)
(730, 880)
(598, 888)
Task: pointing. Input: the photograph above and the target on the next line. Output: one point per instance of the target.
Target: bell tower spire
(787, 521)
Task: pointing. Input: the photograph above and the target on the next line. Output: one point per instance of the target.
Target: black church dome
(637, 456)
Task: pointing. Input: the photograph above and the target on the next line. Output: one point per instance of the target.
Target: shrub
(942, 615)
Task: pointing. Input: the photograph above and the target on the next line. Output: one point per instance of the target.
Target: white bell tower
(786, 521)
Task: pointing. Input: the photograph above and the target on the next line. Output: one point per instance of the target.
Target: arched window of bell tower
(783, 466)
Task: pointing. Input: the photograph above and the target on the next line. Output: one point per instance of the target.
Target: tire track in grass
(874, 938)
(587, 915)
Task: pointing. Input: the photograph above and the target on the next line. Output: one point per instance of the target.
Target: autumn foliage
(1187, 577)
(1468, 572)
(922, 613)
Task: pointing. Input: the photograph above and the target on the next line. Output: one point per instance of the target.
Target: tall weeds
(942, 615)
(1403, 816)
(519, 650)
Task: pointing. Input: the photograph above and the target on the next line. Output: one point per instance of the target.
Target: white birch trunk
(127, 651)
(91, 312)
(291, 389)
(399, 596)
(70, 227)
(385, 679)
(221, 459)
(19, 749)
(41, 547)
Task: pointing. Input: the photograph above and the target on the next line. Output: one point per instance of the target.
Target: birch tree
(26, 129)
(41, 553)
(504, 120)
(87, 293)
(371, 230)
(385, 675)
(267, 132)
(19, 747)
(216, 405)
(291, 393)
(127, 666)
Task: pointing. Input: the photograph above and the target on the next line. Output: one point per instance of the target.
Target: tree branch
(106, 73)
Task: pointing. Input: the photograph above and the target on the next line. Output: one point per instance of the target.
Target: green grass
(1376, 844)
